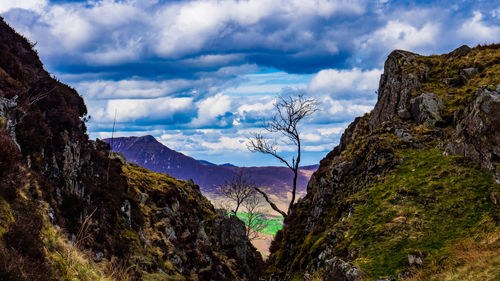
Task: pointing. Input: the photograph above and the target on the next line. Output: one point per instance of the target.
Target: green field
(272, 225)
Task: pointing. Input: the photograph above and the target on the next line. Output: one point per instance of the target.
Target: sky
(202, 76)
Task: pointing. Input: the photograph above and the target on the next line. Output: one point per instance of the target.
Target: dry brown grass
(471, 260)
(118, 270)
(73, 263)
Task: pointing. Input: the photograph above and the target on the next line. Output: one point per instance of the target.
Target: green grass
(271, 225)
(424, 205)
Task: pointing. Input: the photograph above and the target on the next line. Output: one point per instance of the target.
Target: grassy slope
(426, 205)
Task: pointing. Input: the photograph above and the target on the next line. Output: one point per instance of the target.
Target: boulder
(339, 270)
(415, 259)
(425, 109)
(468, 73)
(453, 82)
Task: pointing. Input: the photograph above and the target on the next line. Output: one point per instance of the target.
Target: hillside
(413, 189)
(147, 152)
(70, 212)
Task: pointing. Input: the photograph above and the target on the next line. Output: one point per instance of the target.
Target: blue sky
(202, 75)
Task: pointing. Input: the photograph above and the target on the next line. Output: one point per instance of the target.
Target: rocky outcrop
(180, 225)
(396, 87)
(7, 118)
(459, 52)
(477, 132)
(231, 235)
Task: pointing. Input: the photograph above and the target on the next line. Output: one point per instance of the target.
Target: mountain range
(148, 152)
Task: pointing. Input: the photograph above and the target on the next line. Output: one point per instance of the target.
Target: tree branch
(270, 202)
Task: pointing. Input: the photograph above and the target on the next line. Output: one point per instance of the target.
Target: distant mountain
(206, 162)
(210, 163)
(146, 151)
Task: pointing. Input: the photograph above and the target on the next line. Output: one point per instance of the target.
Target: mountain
(72, 210)
(147, 152)
(412, 192)
(203, 162)
(210, 163)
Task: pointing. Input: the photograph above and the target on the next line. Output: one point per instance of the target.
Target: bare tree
(237, 189)
(240, 190)
(255, 222)
(289, 112)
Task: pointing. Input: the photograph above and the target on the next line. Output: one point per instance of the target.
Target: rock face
(477, 133)
(231, 235)
(7, 108)
(396, 87)
(425, 109)
(388, 188)
(66, 202)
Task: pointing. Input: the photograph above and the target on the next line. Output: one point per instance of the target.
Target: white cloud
(478, 31)
(260, 108)
(186, 28)
(317, 148)
(35, 5)
(330, 131)
(262, 89)
(107, 89)
(113, 14)
(342, 110)
(343, 83)
(213, 60)
(397, 34)
(110, 55)
(211, 108)
(227, 144)
(309, 137)
(325, 8)
(132, 110)
(69, 28)
(496, 13)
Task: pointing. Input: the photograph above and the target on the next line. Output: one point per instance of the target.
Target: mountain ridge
(148, 152)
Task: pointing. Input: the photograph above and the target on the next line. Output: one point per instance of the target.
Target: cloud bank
(203, 75)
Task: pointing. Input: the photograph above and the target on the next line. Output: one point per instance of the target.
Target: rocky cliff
(68, 211)
(412, 190)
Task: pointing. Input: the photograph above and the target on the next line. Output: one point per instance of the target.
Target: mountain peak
(149, 138)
